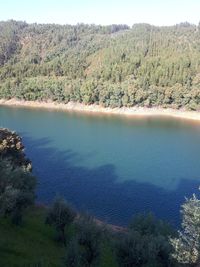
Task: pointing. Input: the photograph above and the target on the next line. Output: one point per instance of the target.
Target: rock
(12, 149)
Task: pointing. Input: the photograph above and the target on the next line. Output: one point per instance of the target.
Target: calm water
(110, 166)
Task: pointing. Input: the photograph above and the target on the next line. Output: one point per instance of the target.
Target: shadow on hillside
(97, 190)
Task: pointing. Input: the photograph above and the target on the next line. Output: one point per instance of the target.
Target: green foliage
(150, 225)
(9, 39)
(187, 245)
(31, 245)
(60, 215)
(108, 257)
(112, 65)
(17, 184)
(85, 248)
(146, 243)
(17, 191)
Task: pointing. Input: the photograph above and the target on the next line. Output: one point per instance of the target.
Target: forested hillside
(108, 65)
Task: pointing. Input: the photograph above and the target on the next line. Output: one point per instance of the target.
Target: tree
(187, 245)
(85, 248)
(60, 215)
(17, 191)
(145, 243)
(160, 63)
(73, 258)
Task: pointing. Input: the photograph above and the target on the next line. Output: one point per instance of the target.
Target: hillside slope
(109, 65)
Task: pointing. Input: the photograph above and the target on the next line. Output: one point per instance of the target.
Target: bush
(60, 215)
(17, 191)
(145, 244)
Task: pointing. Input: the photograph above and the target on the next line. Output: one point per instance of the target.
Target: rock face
(12, 149)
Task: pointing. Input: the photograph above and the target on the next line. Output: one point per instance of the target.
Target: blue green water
(110, 166)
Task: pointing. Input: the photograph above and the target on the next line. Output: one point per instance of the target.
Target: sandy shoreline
(133, 111)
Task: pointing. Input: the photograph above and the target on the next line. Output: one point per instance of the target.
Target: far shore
(132, 111)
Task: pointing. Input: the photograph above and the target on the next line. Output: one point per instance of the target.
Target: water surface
(111, 166)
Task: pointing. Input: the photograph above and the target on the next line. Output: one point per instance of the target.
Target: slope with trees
(112, 65)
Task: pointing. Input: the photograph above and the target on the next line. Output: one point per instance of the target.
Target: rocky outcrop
(12, 149)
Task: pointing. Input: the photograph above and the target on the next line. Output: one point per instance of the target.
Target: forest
(113, 66)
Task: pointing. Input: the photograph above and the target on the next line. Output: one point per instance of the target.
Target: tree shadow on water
(97, 190)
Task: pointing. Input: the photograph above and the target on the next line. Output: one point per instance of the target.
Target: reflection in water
(111, 166)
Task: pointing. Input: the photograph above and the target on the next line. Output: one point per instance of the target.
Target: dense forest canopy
(114, 65)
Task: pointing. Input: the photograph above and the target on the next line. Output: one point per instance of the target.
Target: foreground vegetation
(112, 66)
(58, 236)
(31, 244)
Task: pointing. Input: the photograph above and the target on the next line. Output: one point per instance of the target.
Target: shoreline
(101, 223)
(94, 108)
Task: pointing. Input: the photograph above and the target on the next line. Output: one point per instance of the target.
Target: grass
(33, 244)
(108, 259)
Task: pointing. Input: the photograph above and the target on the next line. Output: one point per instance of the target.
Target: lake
(110, 166)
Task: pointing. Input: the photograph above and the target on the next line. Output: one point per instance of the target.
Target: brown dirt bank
(133, 111)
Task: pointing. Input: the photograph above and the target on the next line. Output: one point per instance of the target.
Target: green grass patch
(33, 243)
